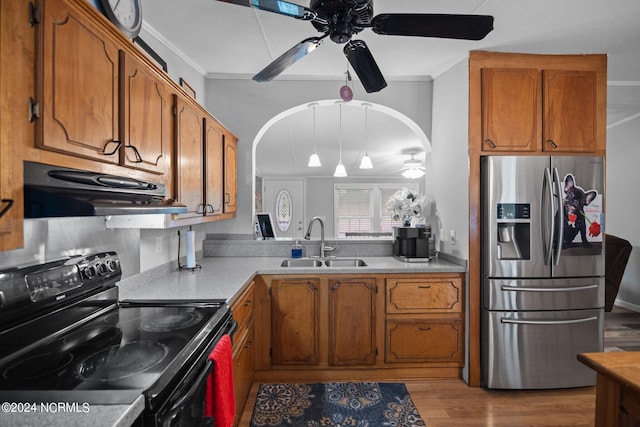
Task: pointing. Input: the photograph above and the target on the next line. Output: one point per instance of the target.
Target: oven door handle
(231, 328)
(177, 407)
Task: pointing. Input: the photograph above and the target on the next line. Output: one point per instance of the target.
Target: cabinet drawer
(424, 340)
(243, 308)
(424, 295)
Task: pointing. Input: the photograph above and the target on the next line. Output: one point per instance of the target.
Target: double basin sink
(329, 262)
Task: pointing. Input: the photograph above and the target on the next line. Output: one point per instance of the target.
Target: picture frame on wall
(187, 88)
(151, 53)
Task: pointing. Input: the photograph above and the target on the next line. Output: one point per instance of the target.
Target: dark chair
(616, 255)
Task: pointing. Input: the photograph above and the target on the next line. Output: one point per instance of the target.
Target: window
(360, 209)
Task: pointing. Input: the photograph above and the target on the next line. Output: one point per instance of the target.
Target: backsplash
(55, 238)
(221, 245)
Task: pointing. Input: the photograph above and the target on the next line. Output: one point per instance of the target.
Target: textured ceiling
(224, 40)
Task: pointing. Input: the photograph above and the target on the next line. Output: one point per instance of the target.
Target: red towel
(220, 402)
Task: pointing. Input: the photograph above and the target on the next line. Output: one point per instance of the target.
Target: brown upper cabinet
(189, 164)
(205, 165)
(146, 117)
(540, 103)
(230, 173)
(95, 100)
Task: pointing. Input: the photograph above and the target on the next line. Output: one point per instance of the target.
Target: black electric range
(66, 337)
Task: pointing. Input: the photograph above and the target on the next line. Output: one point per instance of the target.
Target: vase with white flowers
(406, 204)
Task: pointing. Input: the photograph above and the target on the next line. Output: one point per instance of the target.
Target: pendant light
(340, 170)
(366, 163)
(314, 160)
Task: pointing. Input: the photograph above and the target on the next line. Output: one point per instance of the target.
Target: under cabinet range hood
(51, 191)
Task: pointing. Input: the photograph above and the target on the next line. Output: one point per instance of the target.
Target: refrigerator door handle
(548, 322)
(565, 289)
(560, 215)
(546, 213)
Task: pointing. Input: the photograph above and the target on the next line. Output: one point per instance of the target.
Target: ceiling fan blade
(287, 59)
(277, 6)
(364, 65)
(468, 27)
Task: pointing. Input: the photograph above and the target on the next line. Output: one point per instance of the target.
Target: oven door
(185, 405)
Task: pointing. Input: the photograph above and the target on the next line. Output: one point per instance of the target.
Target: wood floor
(450, 402)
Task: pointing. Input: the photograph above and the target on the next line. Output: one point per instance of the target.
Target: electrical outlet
(452, 237)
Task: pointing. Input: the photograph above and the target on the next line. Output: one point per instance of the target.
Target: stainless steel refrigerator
(542, 270)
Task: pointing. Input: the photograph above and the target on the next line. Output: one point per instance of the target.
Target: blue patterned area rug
(335, 404)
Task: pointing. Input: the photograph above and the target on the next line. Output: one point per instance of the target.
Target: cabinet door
(230, 173)
(570, 111)
(214, 167)
(146, 117)
(295, 321)
(10, 215)
(352, 314)
(510, 109)
(79, 83)
(189, 170)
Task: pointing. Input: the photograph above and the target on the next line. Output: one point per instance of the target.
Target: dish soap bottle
(296, 250)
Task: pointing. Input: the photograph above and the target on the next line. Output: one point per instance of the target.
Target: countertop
(217, 278)
(224, 277)
(622, 367)
(72, 415)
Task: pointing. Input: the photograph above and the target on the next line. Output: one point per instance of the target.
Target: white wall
(623, 202)
(244, 106)
(448, 164)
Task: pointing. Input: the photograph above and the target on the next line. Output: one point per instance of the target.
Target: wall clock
(125, 14)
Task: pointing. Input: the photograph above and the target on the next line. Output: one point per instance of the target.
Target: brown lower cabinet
(351, 326)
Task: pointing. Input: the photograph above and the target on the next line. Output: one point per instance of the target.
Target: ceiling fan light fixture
(413, 173)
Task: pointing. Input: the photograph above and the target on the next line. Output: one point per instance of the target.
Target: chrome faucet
(323, 248)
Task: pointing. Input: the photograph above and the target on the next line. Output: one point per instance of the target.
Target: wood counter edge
(612, 364)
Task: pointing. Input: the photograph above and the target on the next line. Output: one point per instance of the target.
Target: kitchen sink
(301, 263)
(345, 262)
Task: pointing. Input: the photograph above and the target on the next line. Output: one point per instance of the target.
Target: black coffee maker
(411, 243)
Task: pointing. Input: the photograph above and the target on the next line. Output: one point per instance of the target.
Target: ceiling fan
(341, 19)
(413, 168)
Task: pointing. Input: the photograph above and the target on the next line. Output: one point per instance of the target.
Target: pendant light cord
(340, 135)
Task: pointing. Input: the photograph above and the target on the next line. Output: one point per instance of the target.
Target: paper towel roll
(191, 249)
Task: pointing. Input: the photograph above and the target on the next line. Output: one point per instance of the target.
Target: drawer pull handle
(247, 303)
(5, 209)
(553, 144)
(424, 286)
(424, 328)
(117, 144)
(248, 344)
(490, 142)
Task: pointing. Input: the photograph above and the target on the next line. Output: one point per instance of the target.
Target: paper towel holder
(182, 267)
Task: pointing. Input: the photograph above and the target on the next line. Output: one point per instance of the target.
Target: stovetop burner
(37, 366)
(171, 322)
(122, 361)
